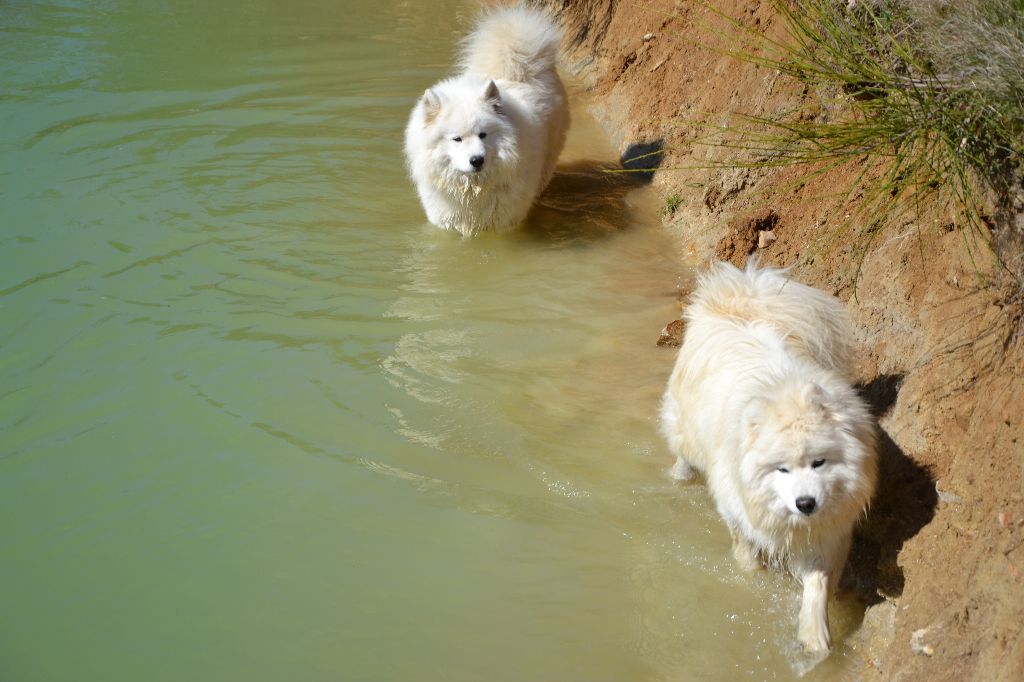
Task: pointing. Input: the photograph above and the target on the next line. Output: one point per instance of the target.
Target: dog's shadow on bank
(587, 199)
(904, 504)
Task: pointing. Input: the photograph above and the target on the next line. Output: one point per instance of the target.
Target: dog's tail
(513, 43)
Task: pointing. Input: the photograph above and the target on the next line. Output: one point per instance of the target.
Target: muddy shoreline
(939, 563)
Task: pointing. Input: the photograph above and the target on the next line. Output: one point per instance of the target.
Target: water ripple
(41, 277)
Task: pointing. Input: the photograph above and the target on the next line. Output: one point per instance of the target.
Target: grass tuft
(672, 202)
(925, 97)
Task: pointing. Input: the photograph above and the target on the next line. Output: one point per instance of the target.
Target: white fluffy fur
(507, 108)
(760, 403)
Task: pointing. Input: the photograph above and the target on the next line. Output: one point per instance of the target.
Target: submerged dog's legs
(744, 552)
(813, 624)
(681, 470)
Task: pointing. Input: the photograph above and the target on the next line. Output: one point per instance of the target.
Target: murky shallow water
(260, 422)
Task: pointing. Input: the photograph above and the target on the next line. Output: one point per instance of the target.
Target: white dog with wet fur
(481, 146)
(761, 402)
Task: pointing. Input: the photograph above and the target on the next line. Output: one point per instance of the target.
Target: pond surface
(261, 422)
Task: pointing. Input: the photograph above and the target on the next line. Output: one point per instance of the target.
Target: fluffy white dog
(760, 402)
(481, 146)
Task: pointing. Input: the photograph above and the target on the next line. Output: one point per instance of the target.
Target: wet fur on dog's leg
(820, 580)
(744, 552)
(812, 628)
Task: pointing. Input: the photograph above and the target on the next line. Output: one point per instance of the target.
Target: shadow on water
(904, 504)
(586, 199)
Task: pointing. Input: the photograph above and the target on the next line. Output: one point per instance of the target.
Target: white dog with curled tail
(481, 146)
(760, 402)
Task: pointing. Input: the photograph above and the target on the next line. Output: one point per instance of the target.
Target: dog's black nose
(806, 504)
(476, 161)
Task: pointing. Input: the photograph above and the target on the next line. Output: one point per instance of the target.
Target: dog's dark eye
(456, 139)
(784, 470)
(817, 463)
(483, 135)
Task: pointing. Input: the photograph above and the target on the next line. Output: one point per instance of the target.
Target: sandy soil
(939, 562)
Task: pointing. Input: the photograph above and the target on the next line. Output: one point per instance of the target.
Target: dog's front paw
(813, 622)
(814, 637)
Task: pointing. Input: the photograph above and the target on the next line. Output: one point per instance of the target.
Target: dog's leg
(744, 552)
(813, 623)
(681, 470)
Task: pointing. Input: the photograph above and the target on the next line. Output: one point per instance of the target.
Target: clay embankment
(940, 561)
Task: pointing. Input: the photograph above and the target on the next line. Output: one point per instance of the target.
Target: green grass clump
(672, 202)
(930, 93)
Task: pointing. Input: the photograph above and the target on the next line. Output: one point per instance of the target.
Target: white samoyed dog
(760, 402)
(481, 146)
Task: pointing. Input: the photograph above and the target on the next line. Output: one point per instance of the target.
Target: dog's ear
(493, 97)
(817, 399)
(431, 106)
(752, 418)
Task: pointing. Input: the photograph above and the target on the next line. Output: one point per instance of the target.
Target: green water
(261, 422)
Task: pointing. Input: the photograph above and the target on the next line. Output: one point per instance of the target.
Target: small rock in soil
(672, 334)
(764, 238)
(917, 644)
(743, 237)
(947, 497)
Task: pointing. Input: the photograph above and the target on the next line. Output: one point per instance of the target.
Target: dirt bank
(940, 561)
